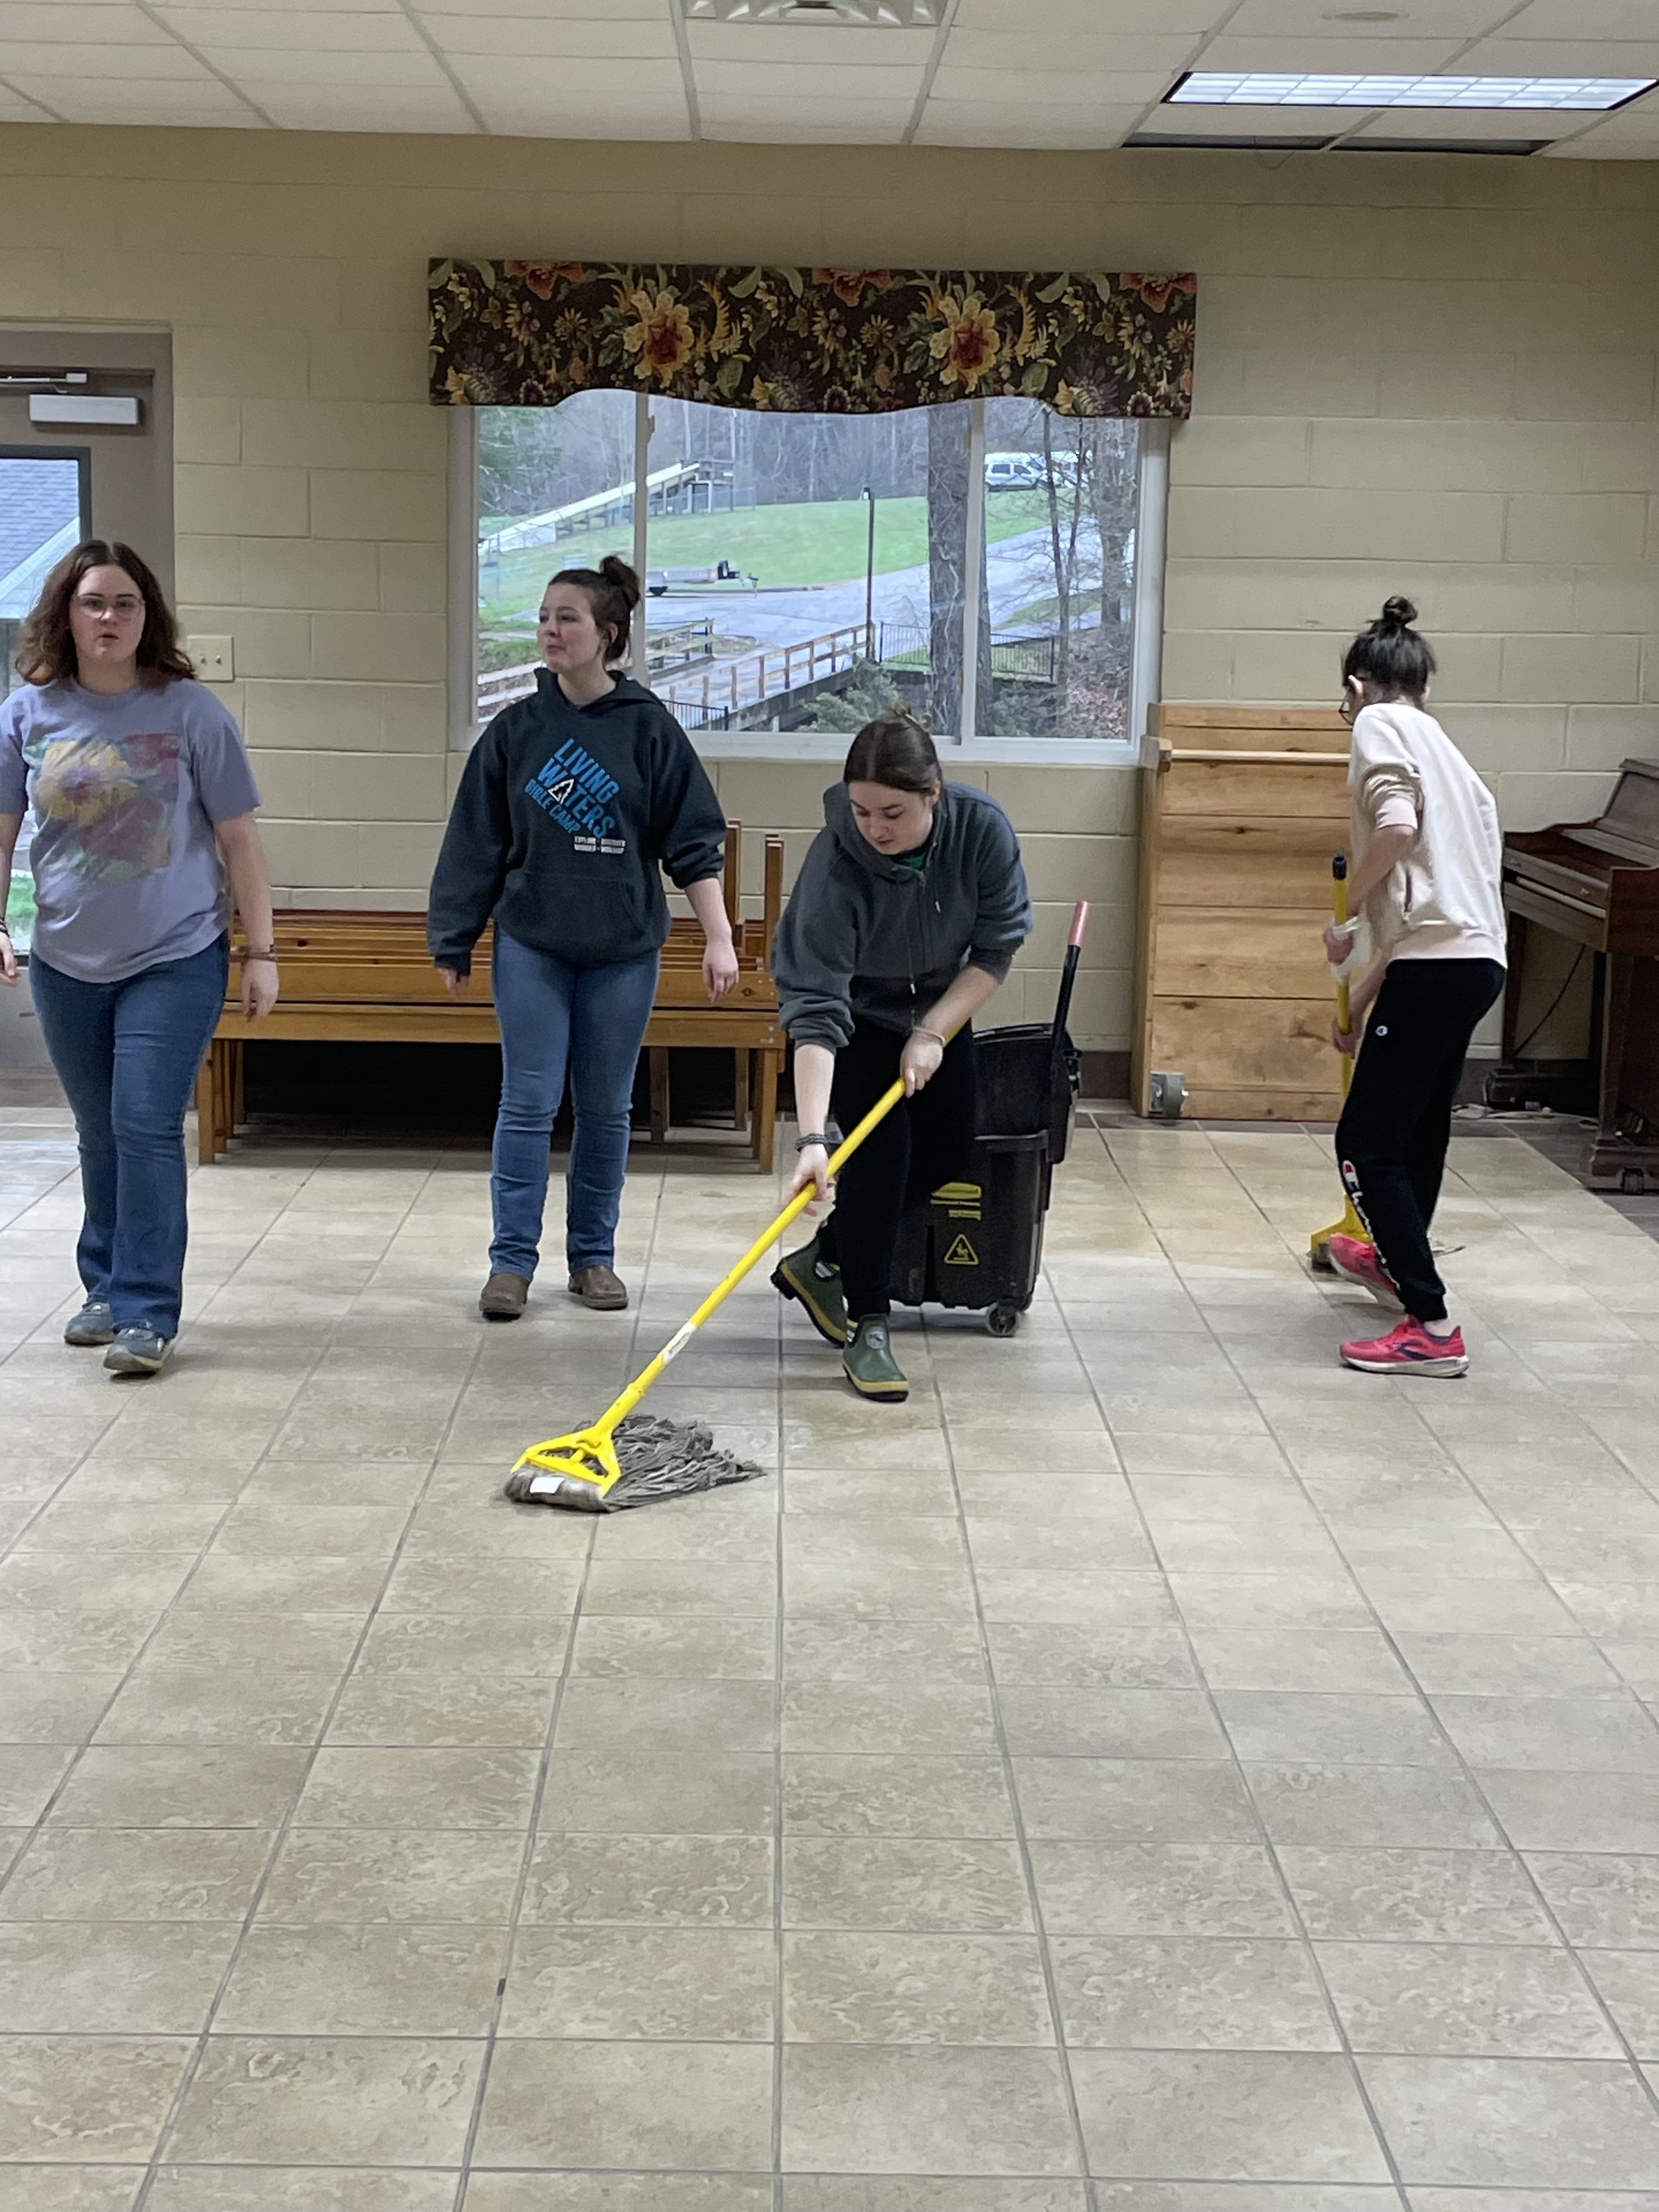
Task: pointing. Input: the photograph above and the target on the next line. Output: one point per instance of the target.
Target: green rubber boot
(803, 1275)
(869, 1363)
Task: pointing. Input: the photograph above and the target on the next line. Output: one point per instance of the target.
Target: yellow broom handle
(723, 1290)
(1339, 907)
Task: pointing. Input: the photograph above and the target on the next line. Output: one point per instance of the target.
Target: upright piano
(1596, 883)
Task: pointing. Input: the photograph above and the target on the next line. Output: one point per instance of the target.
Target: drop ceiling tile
(1075, 88)
(654, 120)
(98, 63)
(745, 131)
(342, 30)
(138, 99)
(523, 79)
(814, 108)
(557, 38)
(14, 108)
(978, 123)
(1565, 19)
(66, 22)
(348, 108)
(1102, 56)
(259, 66)
(1092, 19)
(1342, 56)
(1593, 146)
(761, 82)
(1508, 56)
(1413, 19)
(801, 45)
(551, 11)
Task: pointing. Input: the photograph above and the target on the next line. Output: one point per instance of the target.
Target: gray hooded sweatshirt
(866, 938)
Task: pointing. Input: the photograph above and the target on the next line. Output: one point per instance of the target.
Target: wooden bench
(366, 976)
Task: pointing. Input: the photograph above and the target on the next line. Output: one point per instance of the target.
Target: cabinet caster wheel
(1003, 1320)
(1632, 1182)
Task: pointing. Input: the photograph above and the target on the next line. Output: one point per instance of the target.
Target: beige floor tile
(179, 1786)
(367, 1875)
(651, 1881)
(641, 2105)
(1147, 1890)
(229, 1704)
(898, 2109)
(919, 1884)
(1190, 1992)
(906, 1987)
(300, 2189)
(325, 2101)
(405, 1978)
(688, 1983)
(137, 1874)
(610, 1791)
(891, 1794)
(68, 2094)
(111, 1977)
(1210, 2115)
(443, 1712)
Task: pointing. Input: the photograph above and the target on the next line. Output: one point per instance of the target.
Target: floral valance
(821, 341)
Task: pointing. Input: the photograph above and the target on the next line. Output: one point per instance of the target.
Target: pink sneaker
(1356, 1261)
(1408, 1350)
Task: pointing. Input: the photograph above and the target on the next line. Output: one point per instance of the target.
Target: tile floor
(1151, 1771)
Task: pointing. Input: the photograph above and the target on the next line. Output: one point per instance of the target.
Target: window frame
(1147, 648)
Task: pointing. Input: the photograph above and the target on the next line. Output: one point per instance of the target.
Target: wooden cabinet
(1240, 816)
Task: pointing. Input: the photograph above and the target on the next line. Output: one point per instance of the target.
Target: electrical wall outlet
(212, 656)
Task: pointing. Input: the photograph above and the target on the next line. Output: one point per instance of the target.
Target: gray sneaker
(94, 1324)
(138, 1352)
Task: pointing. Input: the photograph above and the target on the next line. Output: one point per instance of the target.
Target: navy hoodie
(865, 937)
(565, 818)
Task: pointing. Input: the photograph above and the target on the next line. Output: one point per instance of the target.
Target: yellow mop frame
(590, 1454)
(1319, 1245)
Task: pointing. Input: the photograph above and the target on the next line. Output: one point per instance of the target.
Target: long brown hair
(46, 651)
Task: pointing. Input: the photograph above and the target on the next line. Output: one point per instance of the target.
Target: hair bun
(616, 571)
(1397, 615)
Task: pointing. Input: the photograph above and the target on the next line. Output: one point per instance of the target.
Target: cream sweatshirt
(1443, 901)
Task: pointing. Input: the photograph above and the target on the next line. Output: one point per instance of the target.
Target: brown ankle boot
(601, 1288)
(503, 1297)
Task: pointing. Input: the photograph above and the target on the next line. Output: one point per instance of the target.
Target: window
(803, 571)
(43, 503)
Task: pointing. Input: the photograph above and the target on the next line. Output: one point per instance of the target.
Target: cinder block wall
(1413, 374)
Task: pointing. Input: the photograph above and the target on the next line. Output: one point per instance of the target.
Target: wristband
(806, 1144)
(270, 957)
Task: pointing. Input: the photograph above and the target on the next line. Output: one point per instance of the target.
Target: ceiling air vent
(858, 15)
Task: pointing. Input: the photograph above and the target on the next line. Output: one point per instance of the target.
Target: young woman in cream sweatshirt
(1425, 865)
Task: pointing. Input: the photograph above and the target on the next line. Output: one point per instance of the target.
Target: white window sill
(831, 746)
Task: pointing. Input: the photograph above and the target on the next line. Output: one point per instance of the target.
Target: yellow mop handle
(1340, 907)
(728, 1283)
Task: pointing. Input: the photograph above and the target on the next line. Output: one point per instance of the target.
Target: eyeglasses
(91, 603)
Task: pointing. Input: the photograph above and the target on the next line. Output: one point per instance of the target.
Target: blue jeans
(591, 1021)
(127, 1054)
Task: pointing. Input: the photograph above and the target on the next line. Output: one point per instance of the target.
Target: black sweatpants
(924, 1142)
(1392, 1139)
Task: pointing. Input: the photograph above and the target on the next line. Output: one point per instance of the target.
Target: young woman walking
(572, 803)
(910, 906)
(141, 805)
(1425, 869)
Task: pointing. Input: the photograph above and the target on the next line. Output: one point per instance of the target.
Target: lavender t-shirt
(123, 793)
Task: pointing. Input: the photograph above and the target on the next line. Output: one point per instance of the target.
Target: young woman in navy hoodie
(909, 908)
(573, 803)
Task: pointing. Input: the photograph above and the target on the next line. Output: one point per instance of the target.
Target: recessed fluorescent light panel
(1265, 88)
(868, 14)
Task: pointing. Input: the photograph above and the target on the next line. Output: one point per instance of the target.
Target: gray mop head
(659, 1459)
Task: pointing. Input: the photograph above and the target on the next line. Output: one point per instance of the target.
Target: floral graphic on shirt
(107, 805)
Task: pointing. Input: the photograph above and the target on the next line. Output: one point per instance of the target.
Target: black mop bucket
(978, 1243)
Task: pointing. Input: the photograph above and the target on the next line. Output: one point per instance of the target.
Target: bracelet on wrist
(270, 957)
(817, 1137)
